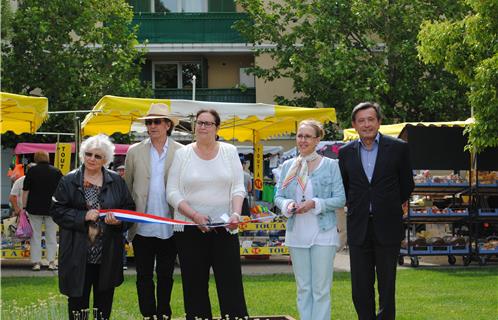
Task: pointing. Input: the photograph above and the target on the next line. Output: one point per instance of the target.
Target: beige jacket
(137, 174)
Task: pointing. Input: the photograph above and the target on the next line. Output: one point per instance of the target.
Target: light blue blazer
(327, 187)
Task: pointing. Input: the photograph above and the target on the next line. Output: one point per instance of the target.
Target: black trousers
(198, 252)
(78, 307)
(148, 250)
(368, 260)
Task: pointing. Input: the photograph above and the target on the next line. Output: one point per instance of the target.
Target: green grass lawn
(457, 293)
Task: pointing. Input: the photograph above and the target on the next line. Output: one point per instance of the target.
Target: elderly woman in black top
(91, 248)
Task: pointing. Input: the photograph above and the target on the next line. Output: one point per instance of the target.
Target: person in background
(206, 184)
(38, 188)
(248, 186)
(147, 165)
(91, 248)
(121, 171)
(15, 197)
(309, 192)
(378, 180)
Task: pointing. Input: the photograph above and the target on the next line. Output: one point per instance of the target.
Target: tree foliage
(339, 53)
(468, 48)
(73, 53)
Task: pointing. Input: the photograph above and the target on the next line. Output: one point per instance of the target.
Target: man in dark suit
(378, 181)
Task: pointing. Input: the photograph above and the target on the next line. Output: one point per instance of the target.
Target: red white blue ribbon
(134, 216)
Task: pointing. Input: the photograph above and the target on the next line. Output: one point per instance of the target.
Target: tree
(73, 53)
(339, 53)
(468, 48)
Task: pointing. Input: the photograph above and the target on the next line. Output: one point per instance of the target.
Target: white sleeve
(17, 188)
(238, 188)
(173, 192)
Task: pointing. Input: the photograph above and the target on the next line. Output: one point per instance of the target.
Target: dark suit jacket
(391, 185)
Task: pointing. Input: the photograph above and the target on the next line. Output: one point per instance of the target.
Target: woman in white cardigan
(206, 185)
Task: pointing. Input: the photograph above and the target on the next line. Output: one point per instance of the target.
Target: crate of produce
(420, 212)
(452, 212)
(487, 212)
(488, 184)
(489, 247)
(488, 251)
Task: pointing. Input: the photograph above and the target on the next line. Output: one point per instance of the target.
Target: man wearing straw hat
(147, 164)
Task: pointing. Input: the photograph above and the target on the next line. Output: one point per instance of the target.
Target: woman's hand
(92, 215)
(202, 220)
(233, 221)
(291, 208)
(111, 219)
(305, 206)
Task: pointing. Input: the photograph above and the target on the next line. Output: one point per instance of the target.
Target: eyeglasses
(149, 122)
(95, 155)
(206, 124)
(304, 137)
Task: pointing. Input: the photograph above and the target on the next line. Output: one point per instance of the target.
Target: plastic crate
(460, 249)
(419, 250)
(487, 212)
(439, 249)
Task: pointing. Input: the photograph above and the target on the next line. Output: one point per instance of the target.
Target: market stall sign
(258, 166)
(262, 226)
(19, 253)
(63, 157)
(256, 251)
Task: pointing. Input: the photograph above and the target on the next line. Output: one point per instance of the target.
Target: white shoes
(52, 266)
(36, 267)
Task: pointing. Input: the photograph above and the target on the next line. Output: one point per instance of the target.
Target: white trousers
(313, 270)
(36, 238)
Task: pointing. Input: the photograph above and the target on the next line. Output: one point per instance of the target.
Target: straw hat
(160, 111)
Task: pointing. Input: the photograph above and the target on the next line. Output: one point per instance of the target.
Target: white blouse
(207, 185)
(306, 232)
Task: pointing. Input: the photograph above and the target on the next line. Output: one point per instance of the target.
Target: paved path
(274, 265)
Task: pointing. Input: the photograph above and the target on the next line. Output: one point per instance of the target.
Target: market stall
(19, 114)
(22, 114)
(239, 121)
(453, 212)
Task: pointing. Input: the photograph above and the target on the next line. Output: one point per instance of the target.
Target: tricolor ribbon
(133, 216)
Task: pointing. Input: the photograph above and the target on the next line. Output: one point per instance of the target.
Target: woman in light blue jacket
(308, 192)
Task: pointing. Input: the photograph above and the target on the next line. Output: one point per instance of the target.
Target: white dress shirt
(156, 200)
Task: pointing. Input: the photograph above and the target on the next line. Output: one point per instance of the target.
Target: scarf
(299, 170)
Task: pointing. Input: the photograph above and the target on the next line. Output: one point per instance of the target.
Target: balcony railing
(188, 27)
(203, 94)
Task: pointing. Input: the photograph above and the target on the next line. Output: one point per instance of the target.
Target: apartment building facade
(196, 37)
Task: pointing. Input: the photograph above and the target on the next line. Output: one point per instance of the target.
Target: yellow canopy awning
(395, 129)
(22, 114)
(240, 121)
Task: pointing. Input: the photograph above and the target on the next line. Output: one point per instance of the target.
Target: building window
(183, 5)
(176, 75)
(180, 5)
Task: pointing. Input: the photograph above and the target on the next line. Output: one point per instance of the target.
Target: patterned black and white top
(92, 195)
